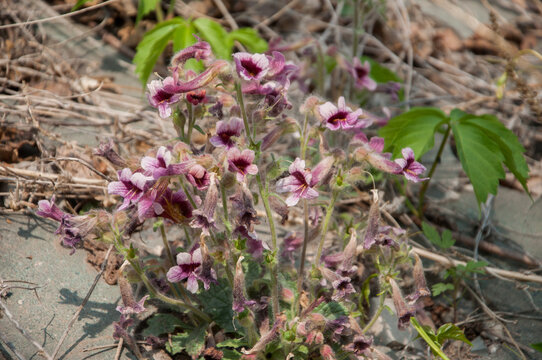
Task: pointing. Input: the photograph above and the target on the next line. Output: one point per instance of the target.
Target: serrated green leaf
(440, 288)
(474, 267)
(144, 7)
(447, 241)
(480, 157)
(217, 303)
(162, 324)
(192, 342)
(332, 310)
(250, 39)
(451, 332)
(508, 143)
(537, 346)
(152, 45)
(431, 233)
(216, 36)
(415, 129)
(230, 354)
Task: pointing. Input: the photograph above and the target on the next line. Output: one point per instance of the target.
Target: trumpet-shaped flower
(131, 186)
(225, 130)
(302, 181)
(251, 66)
(160, 98)
(161, 164)
(240, 162)
(409, 167)
(361, 75)
(341, 116)
(188, 267)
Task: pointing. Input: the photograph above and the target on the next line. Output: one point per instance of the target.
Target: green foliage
(145, 7)
(483, 144)
(162, 324)
(435, 341)
(443, 241)
(180, 32)
(78, 4)
(440, 288)
(415, 129)
(331, 310)
(537, 346)
(217, 303)
(192, 341)
(232, 343)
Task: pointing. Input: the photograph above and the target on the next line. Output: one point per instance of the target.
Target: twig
(38, 21)
(53, 177)
(490, 270)
(277, 15)
(227, 16)
(83, 162)
(23, 331)
(119, 348)
(87, 297)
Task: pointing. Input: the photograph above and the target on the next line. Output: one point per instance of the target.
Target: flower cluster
(224, 193)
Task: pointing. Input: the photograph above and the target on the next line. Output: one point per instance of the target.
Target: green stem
(425, 185)
(274, 264)
(241, 102)
(171, 8)
(159, 12)
(167, 299)
(376, 314)
(192, 202)
(329, 211)
(191, 122)
(300, 274)
(166, 245)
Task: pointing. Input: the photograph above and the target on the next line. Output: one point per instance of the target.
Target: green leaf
(199, 129)
(507, 142)
(192, 342)
(233, 343)
(473, 267)
(230, 354)
(451, 332)
(537, 346)
(183, 36)
(480, 157)
(432, 234)
(217, 303)
(434, 347)
(366, 288)
(152, 45)
(162, 324)
(415, 129)
(145, 7)
(78, 4)
(440, 288)
(250, 39)
(379, 73)
(252, 271)
(216, 36)
(331, 310)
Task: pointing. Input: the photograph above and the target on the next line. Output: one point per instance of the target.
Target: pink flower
(188, 266)
(361, 74)
(48, 209)
(251, 66)
(225, 130)
(302, 181)
(160, 98)
(341, 117)
(410, 168)
(204, 216)
(130, 186)
(165, 203)
(199, 51)
(371, 151)
(240, 162)
(161, 164)
(198, 176)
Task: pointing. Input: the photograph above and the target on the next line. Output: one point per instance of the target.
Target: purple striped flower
(302, 181)
(131, 186)
(188, 266)
(160, 98)
(371, 151)
(410, 168)
(161, 164)
(225, 130)
(198, 176)
(240, 162)
(341, 116)
(361, 74)
(251, 66)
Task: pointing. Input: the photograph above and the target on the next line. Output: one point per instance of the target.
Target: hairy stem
(191, 122)
(264, 194)
(425, 185)
(300, 274)
(166, 245)
(376, 314)
(329, 211)
(241, 102)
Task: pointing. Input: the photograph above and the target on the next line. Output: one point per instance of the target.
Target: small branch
(23, 331)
